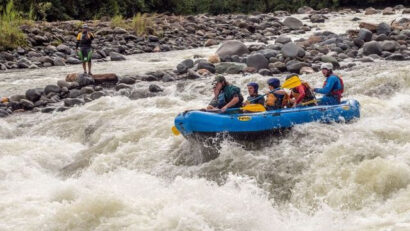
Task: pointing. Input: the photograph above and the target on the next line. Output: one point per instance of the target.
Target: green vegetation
(141, 24)
(10, 34)
(52, 10)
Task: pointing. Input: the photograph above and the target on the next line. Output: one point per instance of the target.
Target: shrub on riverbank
(10, 34)
(141, 24)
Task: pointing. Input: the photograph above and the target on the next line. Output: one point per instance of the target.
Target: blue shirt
(333, 83)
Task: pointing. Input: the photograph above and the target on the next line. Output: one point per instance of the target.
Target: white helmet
(328, 66)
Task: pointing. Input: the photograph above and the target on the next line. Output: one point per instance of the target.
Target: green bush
(11, 35)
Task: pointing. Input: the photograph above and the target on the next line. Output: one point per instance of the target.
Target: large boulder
(27, 104)
(69, 102)
(183, 67)
(258, 61)
(292, 50)
(383, 28)
(105, 78)
(317, 18)
(230, 48)
(64, 48)
(293, 23)
(372, 47)
(365, 35)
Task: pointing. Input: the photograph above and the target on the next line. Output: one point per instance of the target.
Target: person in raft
(84, 40)
(226, 95)
(333, 86)
(276, 98)
(254, 97)
(302, 94)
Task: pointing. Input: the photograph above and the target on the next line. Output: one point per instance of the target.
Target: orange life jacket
(309, 96)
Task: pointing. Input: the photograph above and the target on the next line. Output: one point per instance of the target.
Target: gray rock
(384, 28)
(74, 93)
(46, 59)
(27, 104)
(50, 49)
(231, 67)
(230, 48)
(390, 46)
(207, 66)
(3, 113)
(87, 90)
(293, 23)
(265, 72)
(366, 60)
(97, 95)
(48, 110)
(58, 61)
(72, 60)
(268, 53)
(33, 94)
(372, 47)
(192, 74)
(292, 50)
(16, 98)
(295, 66)
(23, 63)
(381, 37)
(258, 61)
(154, 88)
(69, 102)
(127, 80)
(140, 93)
(122, 86)
(358, 42)
(63, 83)
(365, 35)
(85, 80)
(396, 57)
(330, 59)
(189, 63)
(283, 39)
(278, 65)
(317, 18)
(64, 48)
(116, 56)
(51, 88)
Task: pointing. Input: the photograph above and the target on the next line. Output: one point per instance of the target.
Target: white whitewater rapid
(113, 164)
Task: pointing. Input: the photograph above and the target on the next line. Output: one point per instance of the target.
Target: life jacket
(309, 96)
(336, 93)
(85, 39)
(276, 101)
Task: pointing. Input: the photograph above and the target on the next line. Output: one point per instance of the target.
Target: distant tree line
(52, 10)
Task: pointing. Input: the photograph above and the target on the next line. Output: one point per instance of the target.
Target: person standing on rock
(333, 86)
(84, 40)
(226, 95)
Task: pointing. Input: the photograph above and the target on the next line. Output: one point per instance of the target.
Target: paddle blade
(254, 108)
(175, 130)
(292, 82)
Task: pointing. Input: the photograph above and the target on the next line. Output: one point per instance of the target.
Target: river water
(113, 164)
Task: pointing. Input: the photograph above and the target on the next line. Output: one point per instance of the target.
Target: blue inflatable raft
(254, 125)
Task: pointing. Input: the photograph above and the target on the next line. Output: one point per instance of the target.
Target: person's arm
(234, 101)
(331, 81)
(302, 94)
(91, 36)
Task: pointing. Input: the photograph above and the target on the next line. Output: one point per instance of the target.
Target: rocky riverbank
(53, 44)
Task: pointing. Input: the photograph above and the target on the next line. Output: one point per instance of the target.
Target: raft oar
(175, 130)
